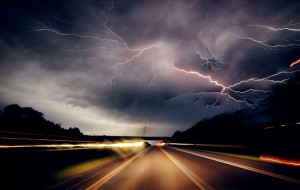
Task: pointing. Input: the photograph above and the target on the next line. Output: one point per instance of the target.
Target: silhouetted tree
(176, 135)
(74, 131)
(12, 116)
(16, 118)
(29, 112)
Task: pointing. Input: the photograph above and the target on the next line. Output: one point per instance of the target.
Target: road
(171, 168)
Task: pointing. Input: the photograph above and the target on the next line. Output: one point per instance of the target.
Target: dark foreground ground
(33, 168)
(149, 168)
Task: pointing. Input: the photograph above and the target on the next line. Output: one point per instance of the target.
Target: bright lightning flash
(231, 92)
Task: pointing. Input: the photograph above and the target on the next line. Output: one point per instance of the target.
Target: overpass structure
(111, 138)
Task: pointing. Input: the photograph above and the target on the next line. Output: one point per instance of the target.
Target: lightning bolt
(210, 62)
(265, 79)
(268, 46)
(284, 28)
(201, 76)
(44, 28)
(122, 45)
(250, 97)
(140, 52)
(277, 29)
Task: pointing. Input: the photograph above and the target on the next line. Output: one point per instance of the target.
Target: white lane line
(286, 178)
(194, 178)
(108, 176)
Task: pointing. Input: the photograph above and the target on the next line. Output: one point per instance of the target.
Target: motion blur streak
(90, 145)
(83, 167)
(103, 180)
(160, 144)
(243, 167)
(295, 62)
(39, 139)
(279, 160)
(208, 145)
(197, 181)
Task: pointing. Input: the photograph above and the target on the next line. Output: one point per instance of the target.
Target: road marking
(108, 176)
(286, 178)
(194, 178)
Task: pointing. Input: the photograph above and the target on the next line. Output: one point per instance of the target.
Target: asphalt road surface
(172, 168)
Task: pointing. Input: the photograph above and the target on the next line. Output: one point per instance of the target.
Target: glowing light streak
(160, 144)
(286, 178)
(84, 145)
(295, 62)
(107, 177)
(40, 139)
(208, 145)
(279, 160)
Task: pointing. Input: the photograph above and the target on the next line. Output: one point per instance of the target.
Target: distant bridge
(101, 138)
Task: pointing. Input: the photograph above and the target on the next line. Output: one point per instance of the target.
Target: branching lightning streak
(202, 76)
(231, 92)
(137, 52)
(267, 46)
(42, 27)
(242, 96)
(277, 29)
(237, 95)
(266, 79)
(210, 62)
(284, 28)
(141, 51)
(123, 42)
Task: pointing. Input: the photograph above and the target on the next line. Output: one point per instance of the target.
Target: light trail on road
(297, 181)
(107, 177)
(168, 168)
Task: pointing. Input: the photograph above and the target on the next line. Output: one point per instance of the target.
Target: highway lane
(226, 172)
(169, 168)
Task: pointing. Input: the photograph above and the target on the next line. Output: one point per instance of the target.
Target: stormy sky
(114, 67)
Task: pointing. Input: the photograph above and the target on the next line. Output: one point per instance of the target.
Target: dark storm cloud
(115, 66)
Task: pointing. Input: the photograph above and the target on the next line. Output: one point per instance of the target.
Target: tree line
(15, 118)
